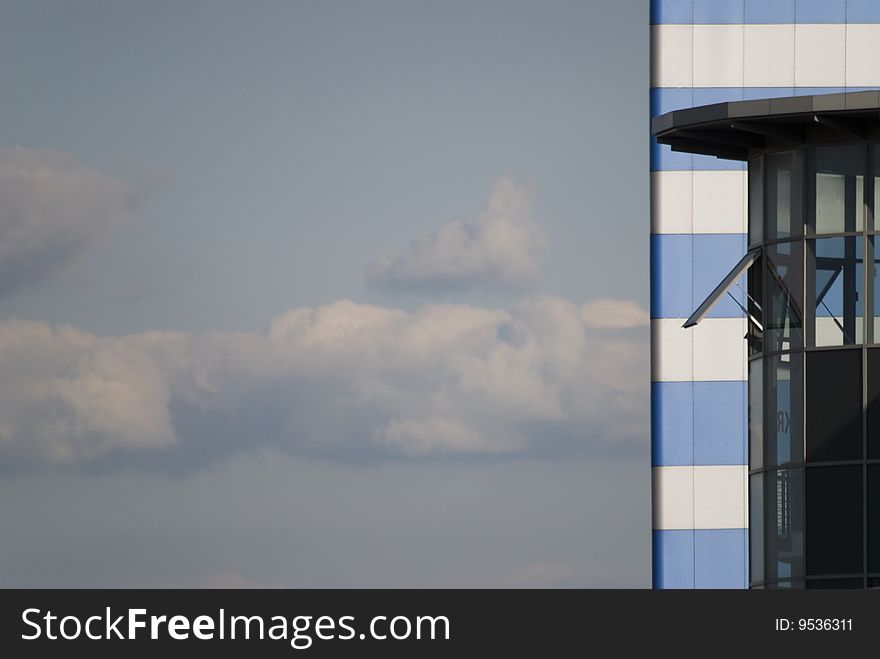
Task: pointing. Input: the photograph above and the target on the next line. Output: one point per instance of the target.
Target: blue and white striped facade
(703, 52)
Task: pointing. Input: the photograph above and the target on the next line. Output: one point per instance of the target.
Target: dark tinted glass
(784, 217)
(834, 520)
(834, 405)
(755, 306)
(836, 291)
(784, 530)
(783, 400)
(756, 527)
(873, 403)
(837, 188)
(835, 584)
(756, 414)
(783, 312)
(873, 518)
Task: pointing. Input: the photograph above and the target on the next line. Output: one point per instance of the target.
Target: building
(784, 353)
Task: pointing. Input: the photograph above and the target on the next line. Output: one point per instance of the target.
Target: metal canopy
(731, 130)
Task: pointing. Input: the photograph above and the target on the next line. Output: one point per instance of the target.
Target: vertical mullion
(868, 308)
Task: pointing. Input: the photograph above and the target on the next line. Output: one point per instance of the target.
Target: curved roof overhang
(736, 129)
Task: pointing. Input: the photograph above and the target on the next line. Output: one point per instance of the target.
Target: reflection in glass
(876, 150)
(783, 431)
(834, 520)
(871, 258)
(838, 182)
(755, 307)
(783, 314)
(756, 527)
(783, 215)
(835, 281)
(756, 414)
(784, 528)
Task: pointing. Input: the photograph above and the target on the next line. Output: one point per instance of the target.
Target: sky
(324, 294)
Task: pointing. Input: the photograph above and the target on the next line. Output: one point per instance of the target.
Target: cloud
(499, 248)
(344, 381)
(52, 209)
(613, 314)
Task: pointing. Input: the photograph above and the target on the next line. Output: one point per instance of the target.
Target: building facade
(705, 52)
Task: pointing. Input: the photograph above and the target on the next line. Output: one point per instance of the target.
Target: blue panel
(820, 11)
(863, 11)
(769, 11)
(815, 91)
(756, 93)
(664, 159)
(667, 99)
(716, 12)
(720, 422)
(720, 558)
(672, 423)
(711, 163)
(710, 95)
(714, 256)
(671, 276)
(666, 12)
(673, 559)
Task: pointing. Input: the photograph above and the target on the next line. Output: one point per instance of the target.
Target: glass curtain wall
(814, 370)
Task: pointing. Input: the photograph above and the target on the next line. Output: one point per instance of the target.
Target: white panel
(820, 55)
(719, 497)
(671, 202)
(719, 349)
(769, 56)
(671, 351)
(672, 55)
(718, 201)
(718, 56)
(673, 497)
(862, 55)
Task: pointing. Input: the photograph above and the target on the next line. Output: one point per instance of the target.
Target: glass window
(756, 414)
(724, 286)
(756, 200)
(835, 285)
(873, 518)
(783, 302)
(784, 530)
(835, 584)
(755, 307)
(873, 202)
(874, 275)
(756, 527)
(834, 405)
(873, 403)
(783, 195)
(834, 520)
(838, 188)
(784, 396)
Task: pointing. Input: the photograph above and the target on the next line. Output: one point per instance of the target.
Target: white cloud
(499, 248)
(613, 314)
(52, 208)
(343, 380)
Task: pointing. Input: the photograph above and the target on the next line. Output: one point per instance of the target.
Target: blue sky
(338, 252)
